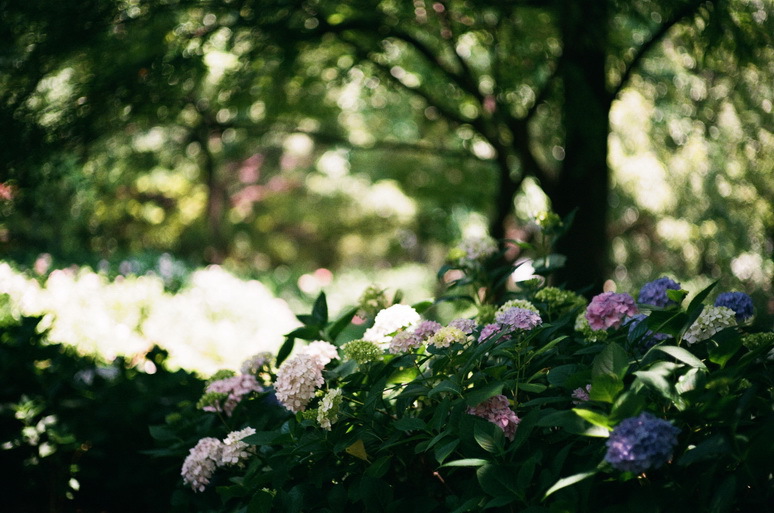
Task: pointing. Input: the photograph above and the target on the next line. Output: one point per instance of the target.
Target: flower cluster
(559, 300)
(447, 336)
(299, 377)
(609, 310)
(654, 293)
(328, 412)
(641, 443)
(517, 303)
(497, 410)
(509, 322)
(210, 453)
(228, 392)
(405, 341)
(362, 351)
(390, 321)
(478, 248)
(711, 320)
(739, 302)
(582, 326)
(581, 395)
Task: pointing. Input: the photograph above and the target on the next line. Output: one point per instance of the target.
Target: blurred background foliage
(296, 138)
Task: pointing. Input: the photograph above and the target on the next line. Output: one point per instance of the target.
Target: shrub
(512, 410)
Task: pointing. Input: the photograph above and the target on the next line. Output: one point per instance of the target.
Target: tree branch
(678, 16)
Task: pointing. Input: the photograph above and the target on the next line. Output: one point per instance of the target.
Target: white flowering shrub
(651, 405)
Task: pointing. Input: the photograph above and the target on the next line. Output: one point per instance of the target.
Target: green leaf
(260, 502)
(285, 350)
(409, 424)
(612, 361)
(559, 375)
(657, 381)
(162, 433)
(594, 418)
(482, 393)
(422, 306)
(262, 438)
(709, 449)
(379, 467)
(403, 375)
(532, 387)
(443, 451)
(488, 436)
(605, 388)
(681, 354)
(466, 462)
(305, 333)
(337, 327)
(568, 481)
(572, 423)
(676, 295)
(723, 346)
(320, 310)
(447, 385)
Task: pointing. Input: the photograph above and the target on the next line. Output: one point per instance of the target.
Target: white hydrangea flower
(328, 412)
(711, 320)
(297, 380)
(234, 450)
(389, 321)
(201, 462)
(322, 351)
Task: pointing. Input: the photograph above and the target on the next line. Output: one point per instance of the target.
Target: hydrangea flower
(389, 321)
(373, 300)
(322, 351)
(517, 303)
(609, 310)
(558, 300)
(641, 443)
(297, 380)
(478, 248)
(328, 412)
(739, 302)
(234, 451)
(654, 293)
(231, 390)
(498, 411)
(447, 336)
(465, 325)
(405, 341)
(581, 395)
(650, 338)
(202, 461)
(582, 327)
(488, 331)
(254, 364)
(362, 351)
(519, 318)
(711, 320)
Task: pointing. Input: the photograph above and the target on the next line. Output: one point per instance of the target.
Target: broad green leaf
(482, 393)
(466, 462)
(262, 438)
(658, 382)
(709, 449)
(285, 350)
(443, 451)
(447, 385)
(320, 310)
(572, 423)
(422, 306)
(532, 387)
(379, 467)
(681, 354)
(723, 346)
(568, 481)
(558, 375)
(487, 438)
(676, 295)
(605, 388)
(260, 502)
(337, 327)
(409, 424)
(594, 418)
(404, 375)
(612, 361)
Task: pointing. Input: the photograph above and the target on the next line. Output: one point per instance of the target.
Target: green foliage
(407, 435)
(74, 428)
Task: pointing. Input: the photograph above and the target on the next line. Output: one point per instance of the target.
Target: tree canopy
(349, 131)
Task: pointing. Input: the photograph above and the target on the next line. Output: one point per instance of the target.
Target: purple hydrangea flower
(641, 443)
(649, 339)
(520, 318)
(465, 325)
(609, 310)
(488, 331)
(497, 410)
(654, 293)
(739, 302)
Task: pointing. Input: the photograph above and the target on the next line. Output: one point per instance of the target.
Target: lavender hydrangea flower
(465, 325)
(654, 293)
(739, 302)
(519, 318)
(641, 443)
(609, 310)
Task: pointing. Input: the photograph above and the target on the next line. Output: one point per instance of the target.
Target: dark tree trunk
(584, 184)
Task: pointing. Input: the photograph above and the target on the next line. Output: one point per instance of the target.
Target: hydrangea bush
(536, 402)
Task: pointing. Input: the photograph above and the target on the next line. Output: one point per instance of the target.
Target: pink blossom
(609, 310)
(497, 410)
(235, 388)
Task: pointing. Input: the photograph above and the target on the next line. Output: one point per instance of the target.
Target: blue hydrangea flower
(641, 443)
(739, 302)
(650, 338)
(655, 292)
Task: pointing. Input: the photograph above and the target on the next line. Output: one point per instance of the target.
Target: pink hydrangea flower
(297, 380)
(498, 411)
(201, 462)
(235, 388)
(609, 310)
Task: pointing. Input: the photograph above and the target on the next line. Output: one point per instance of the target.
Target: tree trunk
(584, 183)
